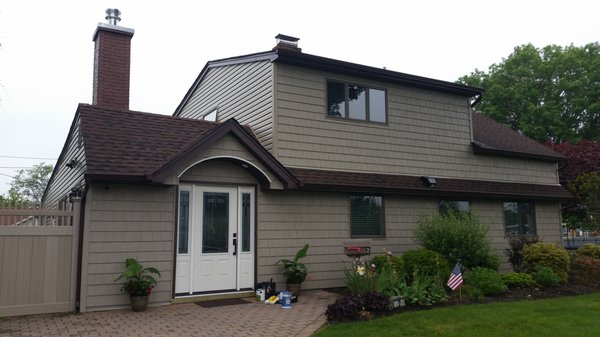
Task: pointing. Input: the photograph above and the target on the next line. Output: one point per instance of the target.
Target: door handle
(234, 244)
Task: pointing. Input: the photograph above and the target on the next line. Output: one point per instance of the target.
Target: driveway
(189, 319)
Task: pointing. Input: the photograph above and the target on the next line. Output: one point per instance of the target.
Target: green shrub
(586, 271)
(394, 261)
(472, 293)
(518, 280)
(590, 250)
(487, 280)
(547, 255)
(422, 290)
(457, 236)
(425, 262)
(546, 277)
(514, 252)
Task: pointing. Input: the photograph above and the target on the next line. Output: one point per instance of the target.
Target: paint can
(286, 299)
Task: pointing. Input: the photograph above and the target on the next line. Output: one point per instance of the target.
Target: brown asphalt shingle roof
(131, 143)
(492, 137)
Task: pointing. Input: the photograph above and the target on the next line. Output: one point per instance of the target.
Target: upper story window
(358, 102)
(519, 218)
(211, 116)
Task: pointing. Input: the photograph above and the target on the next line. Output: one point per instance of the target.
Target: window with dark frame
(183, 230)
(356, 102)
(366, 216)
(456, 206)
(519, 218)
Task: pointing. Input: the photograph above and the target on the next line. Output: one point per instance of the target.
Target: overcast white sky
(46, 51)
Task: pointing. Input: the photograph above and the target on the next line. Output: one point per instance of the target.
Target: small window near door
(184, 222)
(366, 216)
(246, 222)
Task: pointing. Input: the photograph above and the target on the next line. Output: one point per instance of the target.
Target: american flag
(455, 280)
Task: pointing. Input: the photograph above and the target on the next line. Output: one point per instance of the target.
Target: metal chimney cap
(112, 16)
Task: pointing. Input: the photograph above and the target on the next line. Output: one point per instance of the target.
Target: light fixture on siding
(72, 164)
(429, 181)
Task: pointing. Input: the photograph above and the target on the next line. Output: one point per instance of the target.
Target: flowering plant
(139, 280)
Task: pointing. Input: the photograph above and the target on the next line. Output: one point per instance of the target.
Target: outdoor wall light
(72, 164)
(429, 181)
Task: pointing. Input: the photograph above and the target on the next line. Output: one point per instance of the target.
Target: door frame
(191, 188)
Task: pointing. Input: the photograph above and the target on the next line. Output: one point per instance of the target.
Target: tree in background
(28, 185)
(552, 93)
(581, 175)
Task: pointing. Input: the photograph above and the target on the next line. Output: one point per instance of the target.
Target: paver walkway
(189, 319)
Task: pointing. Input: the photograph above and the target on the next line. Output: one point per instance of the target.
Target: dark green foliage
(352, 307)
(395, 262)
(547, 255)
(518, 280)
(472, 293)
(586, 271)
(487, 280)
(546, 277)
(295, 272)
(589, 250)
(549, 93)
(424, 262)
(457, 237)
(138, 280)
(514, 252)
(422, 290)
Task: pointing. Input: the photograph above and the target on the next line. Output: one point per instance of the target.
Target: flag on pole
(455, 280)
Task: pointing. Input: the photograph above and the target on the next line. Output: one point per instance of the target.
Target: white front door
(219, 255)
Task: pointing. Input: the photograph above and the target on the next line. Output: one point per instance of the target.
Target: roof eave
(481, 148)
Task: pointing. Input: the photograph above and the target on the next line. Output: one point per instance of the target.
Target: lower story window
(366, 216)
(456, 206)
(519, 218)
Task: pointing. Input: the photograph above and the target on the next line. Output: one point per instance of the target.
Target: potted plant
(138, 284)
(295, 272)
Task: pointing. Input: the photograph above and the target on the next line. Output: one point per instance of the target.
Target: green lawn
(575, 316)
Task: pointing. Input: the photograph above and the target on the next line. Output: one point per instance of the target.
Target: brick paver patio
(189, 319)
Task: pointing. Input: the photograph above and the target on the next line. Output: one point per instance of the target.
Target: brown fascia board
(358, 70)
(213, 135)
(481, 148)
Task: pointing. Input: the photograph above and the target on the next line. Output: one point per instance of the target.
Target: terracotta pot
(294, 288)
(139, 303)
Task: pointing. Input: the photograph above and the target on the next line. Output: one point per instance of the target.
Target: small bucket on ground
(286, 299)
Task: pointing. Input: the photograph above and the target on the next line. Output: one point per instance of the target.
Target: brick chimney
(287, 42)
(112, 54)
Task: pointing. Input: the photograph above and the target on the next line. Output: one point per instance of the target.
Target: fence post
(76, 201)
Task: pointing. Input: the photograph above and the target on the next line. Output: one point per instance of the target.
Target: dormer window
(356, 102)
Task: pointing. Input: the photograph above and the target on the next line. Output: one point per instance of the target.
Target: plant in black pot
(295, 272)
(139, 282)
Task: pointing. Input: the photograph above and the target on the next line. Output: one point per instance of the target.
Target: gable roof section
(491, 137)
(321, 180)
(337, 66)
(139, 146)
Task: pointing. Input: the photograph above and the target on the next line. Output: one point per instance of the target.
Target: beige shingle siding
(241, 91)
(428, 133)
(66, 178)
(127, 221)
(286, 221)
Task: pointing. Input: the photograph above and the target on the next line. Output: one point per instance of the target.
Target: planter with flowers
(139, 282)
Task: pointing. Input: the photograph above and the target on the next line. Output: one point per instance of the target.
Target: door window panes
(215, 224)
(184, 222)
(246, 222)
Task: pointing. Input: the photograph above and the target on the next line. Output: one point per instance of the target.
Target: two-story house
(269, 151)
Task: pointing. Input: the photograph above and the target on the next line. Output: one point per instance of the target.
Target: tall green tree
(29, 185)
(550, 93)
